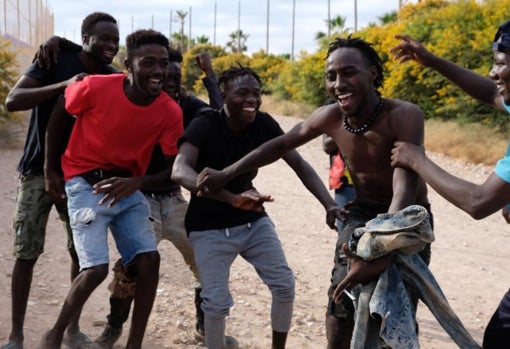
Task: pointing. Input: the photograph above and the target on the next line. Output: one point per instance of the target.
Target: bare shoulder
(398, 108)
(405, 120)
(323, 116)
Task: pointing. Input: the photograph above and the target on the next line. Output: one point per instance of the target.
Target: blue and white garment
(502, 168)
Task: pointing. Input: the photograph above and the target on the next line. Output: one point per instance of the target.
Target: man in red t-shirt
(119, 119)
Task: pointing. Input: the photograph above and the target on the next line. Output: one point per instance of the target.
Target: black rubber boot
(339, 332)
(119, 313)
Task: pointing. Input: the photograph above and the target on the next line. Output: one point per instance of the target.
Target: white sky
(310, 16)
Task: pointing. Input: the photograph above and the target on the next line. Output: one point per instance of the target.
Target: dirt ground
(468, 260)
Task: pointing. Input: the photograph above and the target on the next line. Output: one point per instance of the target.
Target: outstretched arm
(478, 200)
(183, 173)
(267, 153)
(29, 92)
(477, 86)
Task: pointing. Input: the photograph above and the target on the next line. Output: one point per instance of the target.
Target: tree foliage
(460, 31)
(8, 75)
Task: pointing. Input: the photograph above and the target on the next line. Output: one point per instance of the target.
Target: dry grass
(286, 108)
(471, 142)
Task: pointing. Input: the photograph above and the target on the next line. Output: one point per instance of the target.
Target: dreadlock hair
(142, 37)
(174, 55)
(366, 50)
(234, 72)
(91, 20)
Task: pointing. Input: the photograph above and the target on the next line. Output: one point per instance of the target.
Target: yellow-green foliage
(460, 31)
(268, 67)
(8, 74)
(191, 74)
(303, 80)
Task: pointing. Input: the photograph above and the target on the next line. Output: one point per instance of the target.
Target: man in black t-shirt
(232, 221)
(39, 89)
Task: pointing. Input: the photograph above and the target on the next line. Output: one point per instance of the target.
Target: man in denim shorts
(119, 120)
(38, 89)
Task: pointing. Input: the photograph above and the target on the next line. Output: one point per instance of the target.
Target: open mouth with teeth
(344, 98)
(109, 54)
(250, 109)
(155, 83)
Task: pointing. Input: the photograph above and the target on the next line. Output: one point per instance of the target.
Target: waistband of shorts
(97, 175)
(163, 194)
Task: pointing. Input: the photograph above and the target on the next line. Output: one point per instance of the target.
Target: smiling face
(243, 98)
(500, 74)
(148, 70)
(102, 42)
(173, 82)
(349, 79)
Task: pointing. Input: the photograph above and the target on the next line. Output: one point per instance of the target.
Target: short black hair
(234, 72)
(91, 20)
(366, 50)
(174, 55)
(143, 37)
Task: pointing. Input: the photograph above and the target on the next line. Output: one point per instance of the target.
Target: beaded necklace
(366, 125)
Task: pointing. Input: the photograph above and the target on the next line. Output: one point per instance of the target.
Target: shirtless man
(364, 125)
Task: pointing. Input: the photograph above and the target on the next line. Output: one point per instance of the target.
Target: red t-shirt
(113, 133)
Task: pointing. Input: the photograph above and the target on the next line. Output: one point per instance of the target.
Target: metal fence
(25, 24)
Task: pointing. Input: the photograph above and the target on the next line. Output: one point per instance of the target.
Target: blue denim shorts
(128, 221)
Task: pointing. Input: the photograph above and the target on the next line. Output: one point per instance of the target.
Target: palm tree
(237, 42)
(389, 17)
(336, 27)
(202, 39)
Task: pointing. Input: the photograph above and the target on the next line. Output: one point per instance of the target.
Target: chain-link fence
(25, 24)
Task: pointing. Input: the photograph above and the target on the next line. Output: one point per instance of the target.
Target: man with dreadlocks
(229, 222)
(364, 126)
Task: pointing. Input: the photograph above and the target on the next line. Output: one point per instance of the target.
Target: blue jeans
(128, 221)
(258, 244)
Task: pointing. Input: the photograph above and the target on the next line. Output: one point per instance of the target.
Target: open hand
(115, 189)
(251, 200)
(410, 49)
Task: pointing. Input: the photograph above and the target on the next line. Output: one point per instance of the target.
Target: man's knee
(147, 264)
(286, 292)
(94, 275)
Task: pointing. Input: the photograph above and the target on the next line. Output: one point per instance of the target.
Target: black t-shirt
(69, 64)
(218, 148)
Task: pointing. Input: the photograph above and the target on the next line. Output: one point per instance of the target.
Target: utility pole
(189, 37)
(293, 26)
(267, 29)
(329, 18)
(239, 27)
(355, 15)
(214, 34)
